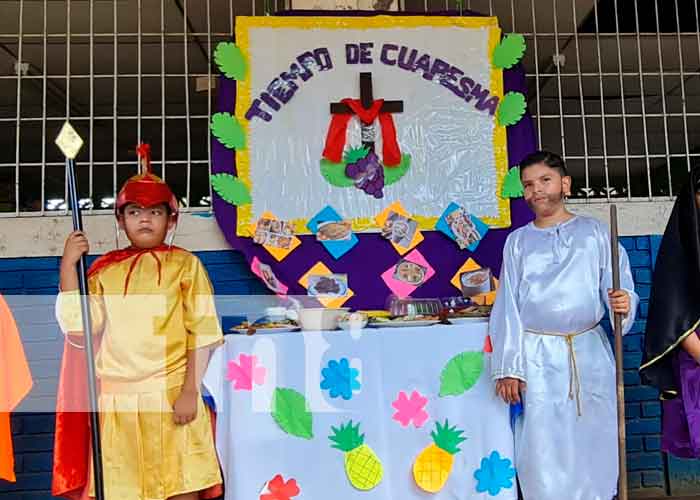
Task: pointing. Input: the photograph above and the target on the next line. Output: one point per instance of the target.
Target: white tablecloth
(253, 448)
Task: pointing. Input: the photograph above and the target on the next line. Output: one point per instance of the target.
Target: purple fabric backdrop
(373, 255)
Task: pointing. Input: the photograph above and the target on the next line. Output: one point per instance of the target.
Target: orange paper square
(278, 253)
(320, 269)
(398, 208)
(484, 299)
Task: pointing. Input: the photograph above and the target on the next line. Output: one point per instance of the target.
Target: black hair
(552, 160)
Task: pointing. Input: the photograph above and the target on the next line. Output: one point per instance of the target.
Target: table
(253, 448)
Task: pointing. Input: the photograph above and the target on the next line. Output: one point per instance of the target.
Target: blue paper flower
(339, 379)
(495, 473)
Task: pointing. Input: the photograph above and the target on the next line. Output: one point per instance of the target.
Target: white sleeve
(626, 280)
(505, 325)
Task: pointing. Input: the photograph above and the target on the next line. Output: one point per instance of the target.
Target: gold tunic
(146, 335)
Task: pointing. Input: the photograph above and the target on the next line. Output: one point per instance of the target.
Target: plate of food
(470, 314)
(404, 321)
(246, 328)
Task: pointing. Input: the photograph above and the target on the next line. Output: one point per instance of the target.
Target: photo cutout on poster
(463, 228)
(477, 282)
(274, 233)
(399, 229)
(410, 272)
(334, 231)
(465, 231)
(268, 277)
(329, 285)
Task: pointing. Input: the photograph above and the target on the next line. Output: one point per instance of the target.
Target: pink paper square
(401, 288)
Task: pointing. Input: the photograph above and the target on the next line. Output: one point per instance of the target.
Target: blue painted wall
(33, 433)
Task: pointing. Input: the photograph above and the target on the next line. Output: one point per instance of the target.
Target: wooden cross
(366, 98)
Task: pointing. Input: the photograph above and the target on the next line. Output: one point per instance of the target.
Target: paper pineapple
(362, 466)
(434, 464)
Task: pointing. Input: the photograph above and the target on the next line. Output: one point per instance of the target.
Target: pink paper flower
(410, 409)
(245, 373)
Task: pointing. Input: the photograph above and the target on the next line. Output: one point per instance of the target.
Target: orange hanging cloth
(15, 383)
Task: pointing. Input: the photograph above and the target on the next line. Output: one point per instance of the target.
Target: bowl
(353, 321)
(320, 318)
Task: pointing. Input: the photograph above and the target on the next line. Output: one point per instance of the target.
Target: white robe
(555, 280)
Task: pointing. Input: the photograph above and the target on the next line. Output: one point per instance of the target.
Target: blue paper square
(336, 248)
(444, 227)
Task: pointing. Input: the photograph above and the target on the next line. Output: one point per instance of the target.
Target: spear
(619, 368)
(69, 142)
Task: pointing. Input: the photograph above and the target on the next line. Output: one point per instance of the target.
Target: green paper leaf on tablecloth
(231, 189)
(509, 52)
(511, 109)
(228, 131)
(290, 411)
(512, 185)
(461, 373)
(334, 173)
(230, 60)
(394, 174)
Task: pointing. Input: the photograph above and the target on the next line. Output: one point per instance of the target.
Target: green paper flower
(512, 186)
(228, 131)
(461, 373)
(509, 52)
(231, 189)
(511, 109)
(291, 412)
(230, 60)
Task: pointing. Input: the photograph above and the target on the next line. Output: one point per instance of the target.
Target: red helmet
(146, 188)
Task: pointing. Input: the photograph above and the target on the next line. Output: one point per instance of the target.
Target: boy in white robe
(548, 346)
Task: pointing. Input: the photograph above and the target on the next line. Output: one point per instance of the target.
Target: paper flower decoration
(509, 52)
(245, 373)
(279, 489)
(495, 474)
(410, 409)
(228, 131)
(339, 379)
(511, 109)
(461, 373)
(291, 412)
(231, 189)
(230, 60)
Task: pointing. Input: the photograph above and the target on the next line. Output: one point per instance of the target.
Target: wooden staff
(619, 367)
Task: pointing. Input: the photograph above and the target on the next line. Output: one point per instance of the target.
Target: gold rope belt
(574, 379)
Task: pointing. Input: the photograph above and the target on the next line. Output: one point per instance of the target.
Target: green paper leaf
(334, 173)
(354, 154)
(509, 52)
(290, 411)
(231, 189)
(230, 60)
(512, 186)
(228, 131)
(511, 109)
(461, 373)
(394, 174)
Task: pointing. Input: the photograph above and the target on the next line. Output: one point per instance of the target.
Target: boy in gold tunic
(153, 309)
